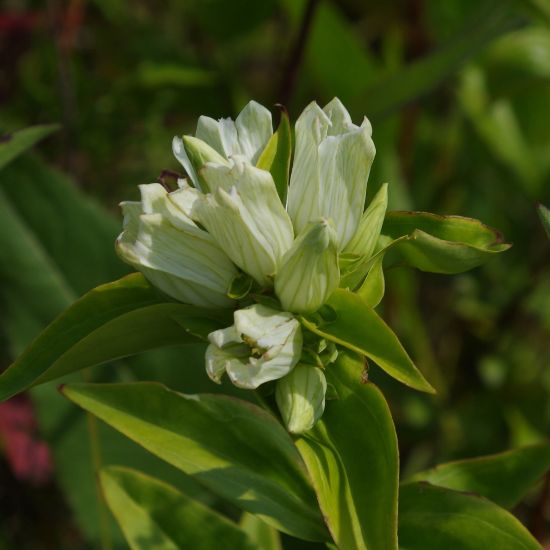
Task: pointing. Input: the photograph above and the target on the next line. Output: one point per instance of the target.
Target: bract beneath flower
(263, 345)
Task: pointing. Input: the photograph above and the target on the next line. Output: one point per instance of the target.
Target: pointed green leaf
(373, 287)
(432, 518)
(504, 478)
(112, 321)
(153, 514)
(442, 244)
(364, 242)
(352, 458)
(359, 328)
(233, 447)
(15, 143)
(276, 156)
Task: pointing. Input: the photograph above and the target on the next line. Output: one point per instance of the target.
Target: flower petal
(303, 193)
(345, 161)
(246, 217)
(254, 128)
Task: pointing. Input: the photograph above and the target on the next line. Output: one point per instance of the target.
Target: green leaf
(233, 447)
(353, 460)
(373, 287)
(442, 244)
(15, 143)
(276, 156)
(112, 321)
(56, 243)
(492, 19)
(359, 328)
(544, 214)
(364, 242)
(432, 518)
(153, 514)
(504, 478)
(263, 535)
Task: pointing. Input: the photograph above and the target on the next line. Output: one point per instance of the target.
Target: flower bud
(309, 270)
(263, 344)
(332, 162)
(245, 216)
(175, 255)
(300, 397)
(193, 155)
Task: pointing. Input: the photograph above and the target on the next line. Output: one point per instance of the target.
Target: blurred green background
(459, 96)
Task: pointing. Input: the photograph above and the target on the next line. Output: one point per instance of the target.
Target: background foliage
(458, 95)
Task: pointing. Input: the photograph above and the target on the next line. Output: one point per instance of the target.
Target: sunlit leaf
(110, 322)
(358, 327)
(153, 514)
(442, 244)
(233, 447)
(352, 458)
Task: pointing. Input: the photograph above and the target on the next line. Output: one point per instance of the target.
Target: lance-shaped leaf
(505, 478)
(363, 243)
(233, 447)
(15, 143)
(112, 321)
(356, 326)
(352, 458)
(276, 156)
(153, 514)
(373, 287)
(442, 244)
(432, 518)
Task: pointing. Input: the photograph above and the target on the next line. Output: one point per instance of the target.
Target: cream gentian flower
(263, 344)
(160, 240)
(247, 136)
(244, 214)
(300, 397)
(332, 162)
(309, 270)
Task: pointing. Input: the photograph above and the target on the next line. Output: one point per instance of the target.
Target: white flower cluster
(227, 218)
